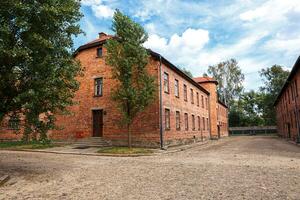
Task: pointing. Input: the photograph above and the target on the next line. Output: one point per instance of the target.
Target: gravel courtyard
(247, 167)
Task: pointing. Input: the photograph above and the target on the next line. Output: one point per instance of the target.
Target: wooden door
(97, 123)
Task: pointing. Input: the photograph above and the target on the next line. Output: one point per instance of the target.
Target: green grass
(124, 150)
(25, 145)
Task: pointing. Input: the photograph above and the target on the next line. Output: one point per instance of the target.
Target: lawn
(25, 145)
(125, 150)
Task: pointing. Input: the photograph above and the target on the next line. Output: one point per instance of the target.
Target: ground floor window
(167, 119)
(186, 121)
(193, 122)
(177, 120)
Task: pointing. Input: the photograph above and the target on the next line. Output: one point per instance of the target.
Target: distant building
(287, 106)
(188, 110)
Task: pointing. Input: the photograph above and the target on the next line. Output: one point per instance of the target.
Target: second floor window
(186, 121)
(202, 101)
(99, 52)
(197, 99)
(185, 92)
(98, 87)
(166, 82)
(192, 96)
(176, 88)
(177, 120)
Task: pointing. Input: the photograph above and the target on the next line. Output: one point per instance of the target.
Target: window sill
(97, 95)
(167, 129)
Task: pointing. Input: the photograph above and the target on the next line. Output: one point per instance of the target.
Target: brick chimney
(102, 35)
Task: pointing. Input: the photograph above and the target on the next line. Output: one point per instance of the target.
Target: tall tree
(186, 71)
(274, 79)
(128, 59)
(230, 79)
(37, 70)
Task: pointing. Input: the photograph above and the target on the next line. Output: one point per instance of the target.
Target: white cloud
(191, 41)
(90, 2)
(102, 11)
(272, 10)
(99, 9)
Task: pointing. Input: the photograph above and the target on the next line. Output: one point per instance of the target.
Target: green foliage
(186, 71)
(26, 145)
(37, 70)
(230, 78)
(245, 111)
(124, 150)
(128, 59)
(256, 108)
(274, 79)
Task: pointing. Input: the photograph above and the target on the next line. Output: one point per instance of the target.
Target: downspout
(160, 107)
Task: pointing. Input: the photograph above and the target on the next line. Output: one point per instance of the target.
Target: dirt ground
(246, 167)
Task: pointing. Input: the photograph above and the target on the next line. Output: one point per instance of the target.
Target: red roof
(205, 80)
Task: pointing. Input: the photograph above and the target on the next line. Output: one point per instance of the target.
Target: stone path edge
(168, 151)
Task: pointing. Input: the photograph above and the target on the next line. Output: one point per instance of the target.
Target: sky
(196, 34)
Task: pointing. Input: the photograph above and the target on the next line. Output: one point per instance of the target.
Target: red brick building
(185, 110)
(287, 106)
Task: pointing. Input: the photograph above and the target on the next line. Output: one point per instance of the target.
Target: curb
(79, 154)
(161, 152)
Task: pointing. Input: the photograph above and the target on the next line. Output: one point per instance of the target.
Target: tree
(128, 59)
(37, 70)
(274, 79)
(230, 79)
(245, 111)
(187, 72)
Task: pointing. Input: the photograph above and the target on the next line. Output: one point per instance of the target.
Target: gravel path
(253, 167)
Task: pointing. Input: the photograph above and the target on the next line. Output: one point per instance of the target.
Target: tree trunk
(129, 135)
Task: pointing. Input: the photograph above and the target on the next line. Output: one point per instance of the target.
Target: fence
(252, 130)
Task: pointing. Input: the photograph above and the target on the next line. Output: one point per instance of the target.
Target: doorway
(97, 123)
(219, 131)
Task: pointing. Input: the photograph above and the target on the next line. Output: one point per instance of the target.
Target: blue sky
(195, 34)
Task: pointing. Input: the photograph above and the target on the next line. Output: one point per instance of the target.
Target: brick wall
(222, 118)
(179, 104)
(288, 109)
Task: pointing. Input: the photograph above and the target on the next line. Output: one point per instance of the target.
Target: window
(202, 101)
(166, 82)
(203, 122)
(99, 52)
(186, 121)
(192, 96)
(177, 120)
(199, 123)
(197, 99)
(206, 103)
(185, 92)
(167, 119)
(207, 125)
(98, 87)
(176, 88)
(193, 122)
(14, 123)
